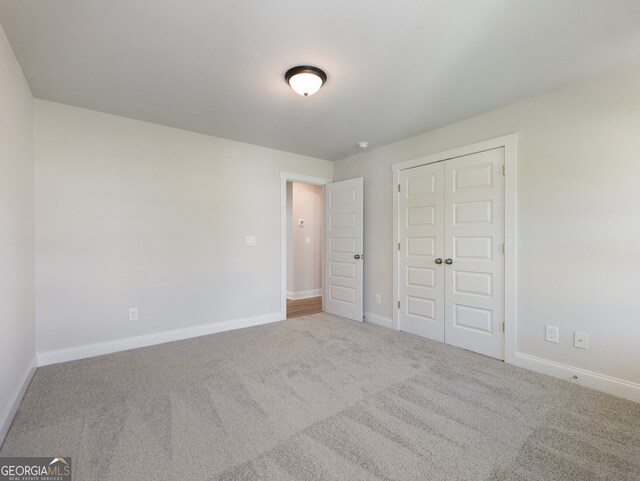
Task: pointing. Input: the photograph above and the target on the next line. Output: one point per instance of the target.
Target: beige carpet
(321, 398)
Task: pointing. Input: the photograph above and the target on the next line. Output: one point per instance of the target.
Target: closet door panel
(474, 239)
(421, 234)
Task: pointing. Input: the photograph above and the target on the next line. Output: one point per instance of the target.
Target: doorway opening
(305, 232)
(340, 242)
(302, 244)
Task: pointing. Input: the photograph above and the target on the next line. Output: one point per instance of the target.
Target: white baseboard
(304, 294)
(600, 382)
(378, 320)
(12, 407)
(117, 345)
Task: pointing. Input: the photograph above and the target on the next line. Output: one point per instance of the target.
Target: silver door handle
(448, 261)
(357, 256)
(438, 261)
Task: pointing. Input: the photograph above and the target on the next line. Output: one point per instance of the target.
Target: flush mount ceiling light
(305, 80)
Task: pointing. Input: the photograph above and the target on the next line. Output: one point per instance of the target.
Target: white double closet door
(451, 257)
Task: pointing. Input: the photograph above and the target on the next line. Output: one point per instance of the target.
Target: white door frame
(509, 143)
(304, 179)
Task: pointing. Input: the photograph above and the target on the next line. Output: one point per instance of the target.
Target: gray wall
(17, 338)
(133, 214)
(306, 259)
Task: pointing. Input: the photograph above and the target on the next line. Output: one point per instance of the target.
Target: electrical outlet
(250, 240)
(378, 298)
(581, 340)
(551, 334)
(134, 315)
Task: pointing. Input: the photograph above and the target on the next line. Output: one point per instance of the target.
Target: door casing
(509, 143)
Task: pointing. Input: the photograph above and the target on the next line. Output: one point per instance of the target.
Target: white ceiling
(395, 68)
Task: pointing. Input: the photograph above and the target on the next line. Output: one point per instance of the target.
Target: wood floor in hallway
(303, 307)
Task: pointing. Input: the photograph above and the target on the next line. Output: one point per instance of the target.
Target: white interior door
(343, 247)
(474, 246)
(421, 251)
(451, 259)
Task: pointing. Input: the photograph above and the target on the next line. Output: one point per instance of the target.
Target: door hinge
(398, 304)
(398, 187)
(504, 249)
(503, 327)
(504, 169)
(398, 245)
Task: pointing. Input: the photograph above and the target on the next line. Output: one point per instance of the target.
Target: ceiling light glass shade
(305, 80)
(305, 83)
